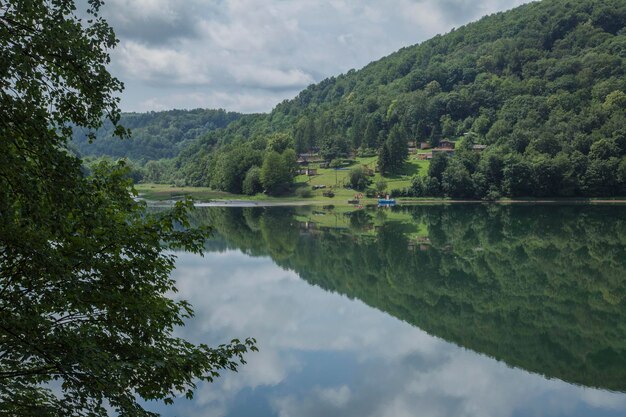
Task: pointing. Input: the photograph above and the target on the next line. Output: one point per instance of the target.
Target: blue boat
(386, 202)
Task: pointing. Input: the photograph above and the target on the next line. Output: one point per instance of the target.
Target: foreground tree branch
(83, 273)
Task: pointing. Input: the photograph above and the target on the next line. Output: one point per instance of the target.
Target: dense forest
(540, 288)
(154, 135)
(541, 87)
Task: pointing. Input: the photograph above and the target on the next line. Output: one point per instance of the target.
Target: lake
(443, 310)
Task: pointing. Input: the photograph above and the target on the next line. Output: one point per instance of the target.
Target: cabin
(412, 150)
(425, 156)
(411, 144)
(479, 148)
(446, 144)
(425, 145)
(307, 171)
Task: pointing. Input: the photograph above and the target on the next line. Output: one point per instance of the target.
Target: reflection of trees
(541, 288)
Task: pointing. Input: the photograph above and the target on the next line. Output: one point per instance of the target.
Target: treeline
(543, 285)
(543, 86)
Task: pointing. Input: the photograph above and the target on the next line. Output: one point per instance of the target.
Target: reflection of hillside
(541, 288)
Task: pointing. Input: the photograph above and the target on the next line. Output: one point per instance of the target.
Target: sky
(249, 55)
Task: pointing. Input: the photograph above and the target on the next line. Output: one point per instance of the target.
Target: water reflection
(541, 290)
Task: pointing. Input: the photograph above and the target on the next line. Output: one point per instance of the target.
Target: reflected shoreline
(541, 289)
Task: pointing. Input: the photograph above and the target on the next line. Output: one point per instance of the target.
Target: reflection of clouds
(384, 366)
(612, 401)
(463, 384)
(239, 296)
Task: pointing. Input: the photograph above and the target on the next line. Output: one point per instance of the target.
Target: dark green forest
(540, 288)
(543, 86)
(155, 135)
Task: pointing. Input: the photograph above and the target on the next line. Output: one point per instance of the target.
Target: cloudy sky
(248, 55)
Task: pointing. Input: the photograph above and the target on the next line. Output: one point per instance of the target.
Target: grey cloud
(154, 22)
(248, 56)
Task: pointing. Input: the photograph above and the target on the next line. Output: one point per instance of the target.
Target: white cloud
(251, 76)
(162, 65)
(337, 397)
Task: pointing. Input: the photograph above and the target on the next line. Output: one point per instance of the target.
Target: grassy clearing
(341, 218)
(161, 192)
(337, 179)
(164, 192)
(333, 179)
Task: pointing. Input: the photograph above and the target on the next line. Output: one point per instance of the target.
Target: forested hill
(155, 135)
(541, 86)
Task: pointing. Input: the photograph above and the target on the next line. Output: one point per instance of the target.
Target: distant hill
(155, 135)
(541, 87)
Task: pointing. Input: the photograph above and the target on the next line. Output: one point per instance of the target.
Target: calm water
(423, 311)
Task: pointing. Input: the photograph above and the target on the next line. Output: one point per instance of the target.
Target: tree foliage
(358, 178)
(84, 278)
(277, 172)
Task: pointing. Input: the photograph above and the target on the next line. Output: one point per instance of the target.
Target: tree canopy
(83, 273)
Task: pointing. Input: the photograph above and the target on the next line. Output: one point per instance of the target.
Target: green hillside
(541, 87)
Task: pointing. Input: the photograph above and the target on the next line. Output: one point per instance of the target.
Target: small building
(425, 145)
(412, 144)
(412, 150)
(479, 148)
(307, 171)
(425, 156)
(446, 144)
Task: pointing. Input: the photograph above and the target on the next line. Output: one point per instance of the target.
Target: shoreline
(374, 202)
